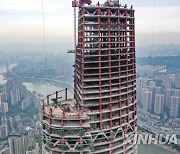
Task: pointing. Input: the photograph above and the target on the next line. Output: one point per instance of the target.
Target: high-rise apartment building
(157, 90)
(18, 144)
(3, 131)
(159, 104)
(105, 73)
(176, 92)
(176, 81)
(3, 127)
(146, 99)
(167, 95)
(4, 107)
(174, 106)
(167, 82)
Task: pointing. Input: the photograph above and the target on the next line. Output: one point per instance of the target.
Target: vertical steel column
(43, 106)
(127, 66)
(119, 65)
(62, 120)
(43, 113)
(62, 143)
(50, 119)
(134, 69)
(127, 82)
(80, 120)
(47, 99)
(99, 65)
(83, 50)
(110, 76)
(109, 52)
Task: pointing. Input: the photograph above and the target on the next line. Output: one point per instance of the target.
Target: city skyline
(21, 21)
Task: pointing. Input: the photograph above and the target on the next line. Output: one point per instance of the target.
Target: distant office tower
(147, 100)
(174, 106)
(167, 95)
(159, 104)
(105, 73)
(18, 144)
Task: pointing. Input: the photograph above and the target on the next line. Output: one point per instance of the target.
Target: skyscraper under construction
(104, 105)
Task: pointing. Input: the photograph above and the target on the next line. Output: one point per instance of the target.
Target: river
(44, 88)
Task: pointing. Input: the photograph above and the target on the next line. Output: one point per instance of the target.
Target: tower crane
(75, 4)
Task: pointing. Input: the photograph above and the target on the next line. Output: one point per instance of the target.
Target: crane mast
(75, 41)
(75, 5)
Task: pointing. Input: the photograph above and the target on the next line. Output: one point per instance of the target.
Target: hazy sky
(21, 21)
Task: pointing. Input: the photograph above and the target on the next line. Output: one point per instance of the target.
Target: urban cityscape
(94, 94)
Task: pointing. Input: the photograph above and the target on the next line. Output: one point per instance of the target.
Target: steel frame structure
(103, 111)
(105, 73)
(64, 128)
